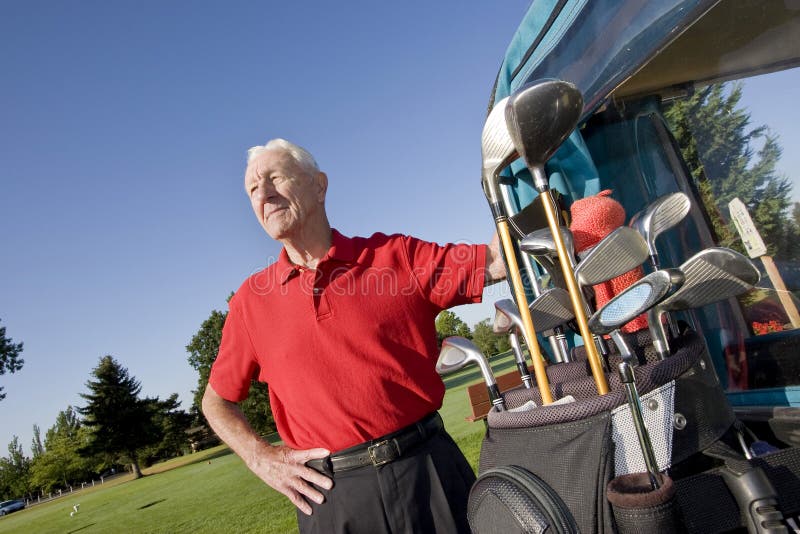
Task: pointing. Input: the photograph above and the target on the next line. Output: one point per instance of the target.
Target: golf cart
(692, 97)
(665, 101)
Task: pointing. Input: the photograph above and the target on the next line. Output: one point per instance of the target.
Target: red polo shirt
(348, 349)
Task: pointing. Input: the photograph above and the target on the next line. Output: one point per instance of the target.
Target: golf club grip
(525, 313)
(574, 293)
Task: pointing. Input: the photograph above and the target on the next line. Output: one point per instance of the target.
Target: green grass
(211, 491)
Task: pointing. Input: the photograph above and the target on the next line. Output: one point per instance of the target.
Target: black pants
(425, 491)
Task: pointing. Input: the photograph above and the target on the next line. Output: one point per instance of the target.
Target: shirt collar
(342, 249)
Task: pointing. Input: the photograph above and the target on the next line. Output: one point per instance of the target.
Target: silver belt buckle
(381, 454)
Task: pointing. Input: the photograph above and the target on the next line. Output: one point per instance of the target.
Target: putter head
(635, 300)
(458, 352)
(552, 308)
(541, 243)
(712, 275)
(617, 253)
(540, 116)
(497, 149)
(661, 215)
(506, 317)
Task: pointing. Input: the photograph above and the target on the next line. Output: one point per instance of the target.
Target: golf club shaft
(627, 378)
(671, 322)
(557, 341)
(522, 304)
(572, 285)
(524, 373)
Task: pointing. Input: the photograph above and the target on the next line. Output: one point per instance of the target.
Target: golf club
(541, 244)
(497, 152)
(508, 321)
(459, 351)
(661, 215)
(557, 339)
(540, 116)
(626, 376)
(616, 254)
(711, 275)
(632, 302)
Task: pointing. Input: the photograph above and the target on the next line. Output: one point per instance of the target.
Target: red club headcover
(593, 218)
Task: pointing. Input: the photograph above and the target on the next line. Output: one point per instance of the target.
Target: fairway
(211, 491)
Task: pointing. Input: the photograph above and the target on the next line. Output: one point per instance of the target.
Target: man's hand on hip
(284, 470)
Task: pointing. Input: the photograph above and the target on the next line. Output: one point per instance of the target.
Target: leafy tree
(485, 339)
(173, 423)
(14, 472)
(449, 324)
(503, 344)
(9, 356)
(713, 133)
(59, 464)
(203, 349)
(119, 422)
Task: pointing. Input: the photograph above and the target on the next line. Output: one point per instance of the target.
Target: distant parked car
(6, 507)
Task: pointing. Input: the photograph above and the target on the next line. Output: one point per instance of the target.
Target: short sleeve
(448, 275)
(236, 363)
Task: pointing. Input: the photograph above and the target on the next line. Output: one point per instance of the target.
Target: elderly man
(342, 330)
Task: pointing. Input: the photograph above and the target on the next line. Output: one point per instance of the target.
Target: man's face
(283, 194)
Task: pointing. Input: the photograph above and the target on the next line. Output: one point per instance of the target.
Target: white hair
(301, 156)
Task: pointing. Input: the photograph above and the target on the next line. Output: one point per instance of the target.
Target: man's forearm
(232, 427)
(280, 467)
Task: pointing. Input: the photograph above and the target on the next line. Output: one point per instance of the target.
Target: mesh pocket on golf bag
(511, 499)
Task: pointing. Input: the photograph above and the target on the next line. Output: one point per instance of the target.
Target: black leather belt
(380, 451)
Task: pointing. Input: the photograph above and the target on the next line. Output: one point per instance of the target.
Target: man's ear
(322, 185)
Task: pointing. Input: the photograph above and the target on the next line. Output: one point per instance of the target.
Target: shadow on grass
(148, 505)
(83, 527)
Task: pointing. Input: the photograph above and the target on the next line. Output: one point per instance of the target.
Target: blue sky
(123, 131)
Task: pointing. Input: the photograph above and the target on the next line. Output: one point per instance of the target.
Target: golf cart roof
(628, 47)
(724, 44)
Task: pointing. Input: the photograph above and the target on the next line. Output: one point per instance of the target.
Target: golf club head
(458, 352)
(541, 243)
(712, 275)
(661, 215)
(506, 317)
(497, 149)
(552, 308)
(635, 300)
(540, 116)
(617, 253)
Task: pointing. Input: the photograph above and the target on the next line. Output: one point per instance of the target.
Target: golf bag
(578, 467)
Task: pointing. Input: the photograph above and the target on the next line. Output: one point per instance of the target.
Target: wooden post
(780, 288)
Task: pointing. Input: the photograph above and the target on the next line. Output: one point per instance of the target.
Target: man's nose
(265, 190)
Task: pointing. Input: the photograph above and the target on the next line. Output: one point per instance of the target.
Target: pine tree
(119, 423)
(718, 145)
